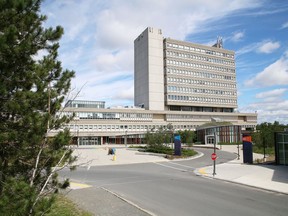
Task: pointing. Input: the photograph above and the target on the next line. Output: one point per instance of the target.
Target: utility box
(177, 145)
(247, 152)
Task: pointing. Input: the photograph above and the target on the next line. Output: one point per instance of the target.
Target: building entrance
(281, 148)
(88, 141)
(209, 139)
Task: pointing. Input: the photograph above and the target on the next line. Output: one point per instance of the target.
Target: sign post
(177, 145)
(214, 157)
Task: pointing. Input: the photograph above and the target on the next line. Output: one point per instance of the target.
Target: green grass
(169, 151)
(65, 207)
(260, 150)
(188, 152)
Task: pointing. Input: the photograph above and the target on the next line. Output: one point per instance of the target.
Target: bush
(159, 149)
(170, 151)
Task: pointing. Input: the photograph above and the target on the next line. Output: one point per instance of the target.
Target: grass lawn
(65, 207)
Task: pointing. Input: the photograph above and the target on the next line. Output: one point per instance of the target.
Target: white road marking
(183, 170)
(181, 165)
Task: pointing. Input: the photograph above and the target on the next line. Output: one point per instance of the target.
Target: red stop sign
(213, 156)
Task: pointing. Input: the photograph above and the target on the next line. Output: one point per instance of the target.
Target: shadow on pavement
(280, 172)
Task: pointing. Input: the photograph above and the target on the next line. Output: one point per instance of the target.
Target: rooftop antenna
(219, 43)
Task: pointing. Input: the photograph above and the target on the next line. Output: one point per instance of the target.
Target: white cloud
(272, 116)
(114, 62)
(127, 93)
(116, 23)
(273, 93)
(237, 36)
(274, 74)
(265, 46)
(268, 47)
(269, 111)
(69, 14)
(284, 25)
(246, 49)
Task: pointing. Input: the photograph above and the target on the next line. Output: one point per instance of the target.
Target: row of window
(197, 49)
(200, 91)
(199, 82)
(122, 128)
(86, 104)
(201, 66)
(198, 57)
(121, 116)
(200, 109)
(183, 98)
(199, 74)
(199, 117)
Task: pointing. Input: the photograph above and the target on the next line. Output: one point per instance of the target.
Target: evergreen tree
(31, 94)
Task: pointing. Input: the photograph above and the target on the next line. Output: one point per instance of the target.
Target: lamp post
(125, 139)
(77, 137)
(76, 126)
(264, 148)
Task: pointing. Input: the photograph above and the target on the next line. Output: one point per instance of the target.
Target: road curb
(129, 202)
(201, 172)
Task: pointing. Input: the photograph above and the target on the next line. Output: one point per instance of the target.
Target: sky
(99, 37)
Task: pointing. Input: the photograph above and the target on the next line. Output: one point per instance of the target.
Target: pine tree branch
(36, 166)
(46, 182)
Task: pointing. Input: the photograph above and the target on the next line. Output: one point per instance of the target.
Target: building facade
(183, 76)
(175, 82)
(122, 125)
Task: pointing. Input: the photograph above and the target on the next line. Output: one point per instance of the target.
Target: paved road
(172, 188)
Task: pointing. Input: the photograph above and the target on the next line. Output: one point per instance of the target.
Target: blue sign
(177, 145)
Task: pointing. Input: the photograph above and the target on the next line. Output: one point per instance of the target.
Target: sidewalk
(268, 177)
(98, 156)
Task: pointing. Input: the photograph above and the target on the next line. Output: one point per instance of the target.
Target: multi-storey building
(182, 76)
(175, 82)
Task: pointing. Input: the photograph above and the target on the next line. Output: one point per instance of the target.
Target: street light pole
(238, 155)
(126, 138)
(264, 148)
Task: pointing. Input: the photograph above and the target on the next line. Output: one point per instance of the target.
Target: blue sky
(99, 37)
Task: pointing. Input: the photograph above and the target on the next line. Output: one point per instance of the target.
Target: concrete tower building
(149, 73)
(182, 76)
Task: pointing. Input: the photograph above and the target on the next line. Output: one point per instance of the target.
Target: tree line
(264, 136)
(162, 136)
